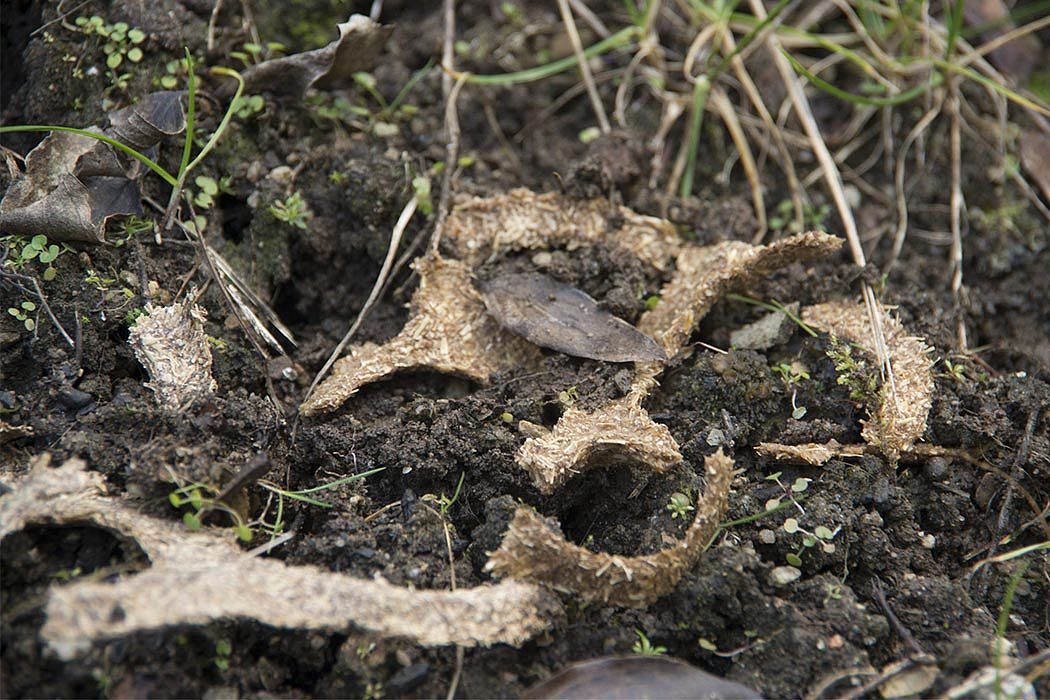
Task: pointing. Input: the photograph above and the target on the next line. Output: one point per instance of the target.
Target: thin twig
(395, 241)
(585, 68)
(956, 211)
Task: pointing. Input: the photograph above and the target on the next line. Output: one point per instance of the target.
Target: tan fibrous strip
(623, 431)
(899, 419)
(813, 453)
(706, 274)
(448, 331)
(481, 229)
(197, 578)
(534, 550)
(171, 344)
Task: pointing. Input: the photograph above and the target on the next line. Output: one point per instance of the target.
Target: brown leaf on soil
(360, 41)
(449, 331)
(534, 550)
(74, 184)
(1035, 157)
(558, 316)
(198, 578)
(900, 417)
(623, 430)
(481, 229)
(171, 344)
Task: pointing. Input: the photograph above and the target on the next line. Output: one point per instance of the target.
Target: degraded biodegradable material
(899, 419)
(171, 344)
(535, 550)
(201, 577)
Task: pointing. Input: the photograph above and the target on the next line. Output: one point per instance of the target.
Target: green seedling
(853, 372)
(569, 397)
(821, 535)
(276, 527)
(253, 54)
(200, 499)
(424, 201)
(23, 313)
(223, 651)
(793, 374)
(954, 371)
(680, 505)
(292, 211)
(644, 647)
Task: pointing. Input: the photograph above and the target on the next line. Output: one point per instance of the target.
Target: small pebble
(783, 575)
(74, 399)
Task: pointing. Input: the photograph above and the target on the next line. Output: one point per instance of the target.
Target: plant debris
(533, 549)
(481, 229)
(449, 331)
(74, 184)
(623, 431)
(171, 344)
(560, 317)
(201, 577)
(899, 419)
(359, 43)
(815, 454)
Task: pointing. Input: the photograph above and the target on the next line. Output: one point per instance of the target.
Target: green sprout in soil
(954, 371)
(569, 397)
(793, 374)
(292, 211)
(25, 312)
(680, 505)
(277, 526)
(854, 373)
(120, 44)
(253, 54)
(644, 647)
(22, 251)
(223, 651)
(201, 501)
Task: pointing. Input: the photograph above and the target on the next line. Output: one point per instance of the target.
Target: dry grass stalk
(898, 421)
(534, 550)
(812, 453)
(199, 578)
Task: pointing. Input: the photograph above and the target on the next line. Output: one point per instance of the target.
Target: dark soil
(908, 539)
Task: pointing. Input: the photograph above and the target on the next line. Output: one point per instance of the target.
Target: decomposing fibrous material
(535, 550)
(619, 432)
(359, 43)
(899, 419)
(481, 229)
(813, 453)
(74, 184)
(171, 344)
(623, 431)
(449, 331)
(560, 317)
(201, 577)
(706, 274)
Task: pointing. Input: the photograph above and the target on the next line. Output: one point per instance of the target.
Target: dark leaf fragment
(74, 184)
(360, 41)
(558, 316)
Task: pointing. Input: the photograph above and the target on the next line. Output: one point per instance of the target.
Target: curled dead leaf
(360, 41)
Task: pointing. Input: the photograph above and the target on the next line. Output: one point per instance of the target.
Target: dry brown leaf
(481, 229)
(560, 317)
(900, 417)
(360, 41)
(171, 344)
(201, 577)
(74, 184)
(448, 331)
(535, 550)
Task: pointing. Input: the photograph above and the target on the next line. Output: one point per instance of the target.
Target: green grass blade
(863, 100)
(191, 113)
(145, 160)
(225, 118)
(615, 41)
